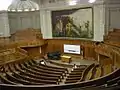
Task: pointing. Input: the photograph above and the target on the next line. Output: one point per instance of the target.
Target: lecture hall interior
(59, 44)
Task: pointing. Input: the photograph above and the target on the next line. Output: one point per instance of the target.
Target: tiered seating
(21, 73)
(60, 64)
(41, 73)
(94, 72)
(98, 71)
(87, 74)
(32, 79)
(113, 81)
(5, 68)
(36, 72)
(46, 67)
(5, 80)
(11, 55)
(76, 74)
(18, 80)
(107, 69)
(31, 73)
(11, 67)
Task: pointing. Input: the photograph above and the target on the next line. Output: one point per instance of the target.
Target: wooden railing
(10, 55)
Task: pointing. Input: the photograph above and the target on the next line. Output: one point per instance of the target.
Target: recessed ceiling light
(72, 2)
(91, 1)
(32, 9)
(19, 10)
(13, 10)
(8, 9)
(26, 9)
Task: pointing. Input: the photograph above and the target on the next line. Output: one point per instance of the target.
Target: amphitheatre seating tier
(22, 77)
(27, 72)
(46, 67)
(39, 73)
(76, 74)
(11, 55)
(98, 71)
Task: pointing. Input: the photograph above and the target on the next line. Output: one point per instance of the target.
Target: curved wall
(23, 20)
(104, 53)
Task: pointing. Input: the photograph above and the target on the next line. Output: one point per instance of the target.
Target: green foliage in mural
(65, 26)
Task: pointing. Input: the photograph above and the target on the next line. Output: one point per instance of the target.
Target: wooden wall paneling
(58, 45)
(33, 51)
(50, 46)
(89, 52)
(104, 60)
(43, 49)
(117, 60)
(116, 56)
(113, 20)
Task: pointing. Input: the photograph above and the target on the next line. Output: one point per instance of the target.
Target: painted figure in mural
(87, 24)
(80, 29)
(59, 27)
(69, 27)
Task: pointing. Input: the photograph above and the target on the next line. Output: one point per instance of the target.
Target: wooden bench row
(31, 72)
(25, 78)
(45, 67)
(75, 74)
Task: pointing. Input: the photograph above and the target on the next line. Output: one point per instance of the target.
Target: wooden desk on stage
(66, 58)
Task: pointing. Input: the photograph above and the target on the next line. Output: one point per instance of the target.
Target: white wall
(46, 26)
(115, 18)
(105, 17)
(99, 19)
(112, 14)
(23, 20)
(99, 22)
(4, 24)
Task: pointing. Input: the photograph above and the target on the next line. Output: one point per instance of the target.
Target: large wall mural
(74, 23)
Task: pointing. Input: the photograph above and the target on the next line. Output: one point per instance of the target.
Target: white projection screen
(73, 49)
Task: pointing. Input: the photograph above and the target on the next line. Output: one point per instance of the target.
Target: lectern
(66, 58)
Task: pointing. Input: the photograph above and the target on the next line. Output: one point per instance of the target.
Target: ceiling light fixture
(13, 10)
(72, 2)
(91, 1)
